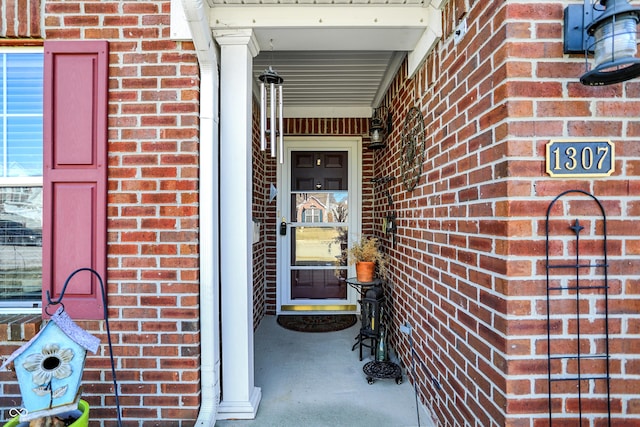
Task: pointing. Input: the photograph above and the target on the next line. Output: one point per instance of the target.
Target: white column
(240, 397)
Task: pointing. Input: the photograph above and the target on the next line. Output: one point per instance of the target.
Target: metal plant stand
(370, 313)
(382, 370)
(577, 315)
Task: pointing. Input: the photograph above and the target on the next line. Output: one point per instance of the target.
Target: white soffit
(337, 57)
(330, 83)
(328, 28)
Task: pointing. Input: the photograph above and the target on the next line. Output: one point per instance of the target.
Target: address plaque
(580, 158)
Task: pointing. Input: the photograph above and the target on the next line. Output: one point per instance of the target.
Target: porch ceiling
(337, 57)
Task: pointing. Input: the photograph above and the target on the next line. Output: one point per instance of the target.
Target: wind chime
(271, 99)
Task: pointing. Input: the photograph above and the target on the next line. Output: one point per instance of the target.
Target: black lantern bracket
(576, 19)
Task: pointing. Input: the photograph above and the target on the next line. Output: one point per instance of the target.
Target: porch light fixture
(271, 100)
(610, 34)
(379, 127)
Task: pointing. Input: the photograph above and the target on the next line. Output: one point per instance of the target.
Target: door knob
(283, 227)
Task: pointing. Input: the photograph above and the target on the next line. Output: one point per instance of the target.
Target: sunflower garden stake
(49, 369)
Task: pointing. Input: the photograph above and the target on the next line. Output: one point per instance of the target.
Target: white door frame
(353, 145)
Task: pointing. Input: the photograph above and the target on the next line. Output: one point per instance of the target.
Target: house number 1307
(580, 158)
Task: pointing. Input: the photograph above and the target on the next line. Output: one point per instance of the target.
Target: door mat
(317, 322)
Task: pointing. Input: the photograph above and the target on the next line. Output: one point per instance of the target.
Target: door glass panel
(319, 207)
(316, 246)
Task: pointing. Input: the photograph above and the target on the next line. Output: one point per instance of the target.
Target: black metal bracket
(576, 19)
(58, 301)
(64, 289)
(385, 180)
(390, 225)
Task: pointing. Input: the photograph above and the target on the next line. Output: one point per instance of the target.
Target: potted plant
(79, 418)
(366, 255)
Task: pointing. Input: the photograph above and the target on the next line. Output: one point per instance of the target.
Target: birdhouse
(49, 367)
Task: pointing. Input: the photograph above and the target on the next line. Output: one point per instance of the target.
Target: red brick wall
(469, 266)
(22, 18)
(264, 174)
(152, 209)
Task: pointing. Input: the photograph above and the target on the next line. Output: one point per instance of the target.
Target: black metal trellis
(578, 356)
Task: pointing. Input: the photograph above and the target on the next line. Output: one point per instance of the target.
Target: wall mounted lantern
(606, 28)
(379, 127)
(271, 100)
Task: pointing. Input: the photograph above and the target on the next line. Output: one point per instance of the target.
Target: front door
(317, 218)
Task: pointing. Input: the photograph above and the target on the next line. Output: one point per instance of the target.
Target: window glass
(320, 206)
(21, 114)
(24, 148)
(20, 243)
(21, 89)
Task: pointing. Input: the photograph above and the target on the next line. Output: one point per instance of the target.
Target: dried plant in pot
(367, 257)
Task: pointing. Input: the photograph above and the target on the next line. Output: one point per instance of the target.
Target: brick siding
(468, 269)
(152, 214)
(21, 19)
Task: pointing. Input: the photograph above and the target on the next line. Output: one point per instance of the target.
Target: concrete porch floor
(315, 380)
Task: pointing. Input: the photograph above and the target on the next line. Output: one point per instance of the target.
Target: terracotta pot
(365, 271)
(83, 421)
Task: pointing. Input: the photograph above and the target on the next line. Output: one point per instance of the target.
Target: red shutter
(75, 173)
